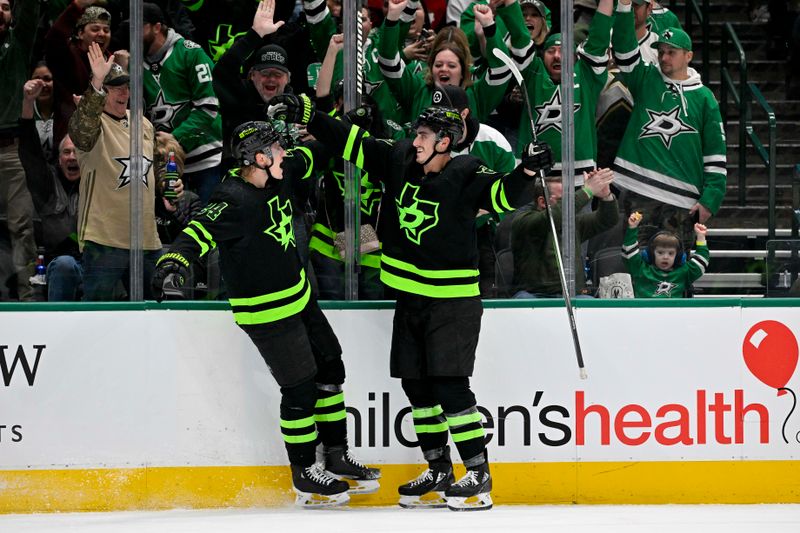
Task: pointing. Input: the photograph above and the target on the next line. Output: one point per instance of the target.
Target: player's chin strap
(268, 154)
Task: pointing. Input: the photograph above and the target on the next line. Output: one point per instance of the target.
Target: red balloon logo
(770, 352)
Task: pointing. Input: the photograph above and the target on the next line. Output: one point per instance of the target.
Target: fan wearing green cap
(543, 81)
(671, 163)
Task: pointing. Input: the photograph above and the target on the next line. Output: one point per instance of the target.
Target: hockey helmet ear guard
(251, 138)
(649, 253)
(444, 121)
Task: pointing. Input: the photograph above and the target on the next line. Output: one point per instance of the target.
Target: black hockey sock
(297, 423)
(431, 428)
(463, 419)
(466, 428)
(429, 422)
(330, 415)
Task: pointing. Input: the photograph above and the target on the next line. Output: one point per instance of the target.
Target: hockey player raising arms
(249, 219)
(430, 258)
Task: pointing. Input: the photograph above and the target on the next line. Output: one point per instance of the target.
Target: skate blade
(480, 502)
(311, 500)
(431, 500)
(362, 486)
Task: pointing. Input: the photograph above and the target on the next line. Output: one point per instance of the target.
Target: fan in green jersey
(671, 162)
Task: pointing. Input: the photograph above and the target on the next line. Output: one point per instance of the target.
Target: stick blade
(507, 61)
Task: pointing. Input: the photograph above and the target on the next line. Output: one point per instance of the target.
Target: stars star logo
(370, 195)
(163, 113)
(549, 113)
(370, 87)
(124, 177)
(665, 288)
(416, 216)
(665, 126)
(281, 218)
(370, 192)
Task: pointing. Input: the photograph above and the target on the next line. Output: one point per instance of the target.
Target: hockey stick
(502, 56)
(353, 79)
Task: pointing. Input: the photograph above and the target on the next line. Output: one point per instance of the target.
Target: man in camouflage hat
(100, 129)
(66, 47)
(94, 26)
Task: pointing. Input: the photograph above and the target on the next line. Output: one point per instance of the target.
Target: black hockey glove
(291, 108)
(362, 116)
(537, 157)
(170, 275)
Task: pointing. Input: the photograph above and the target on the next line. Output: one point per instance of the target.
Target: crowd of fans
(648, 137)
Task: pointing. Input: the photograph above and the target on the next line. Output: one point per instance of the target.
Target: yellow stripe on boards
(677, 482)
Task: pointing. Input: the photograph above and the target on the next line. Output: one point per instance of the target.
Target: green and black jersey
(252, 228)
(429, 238)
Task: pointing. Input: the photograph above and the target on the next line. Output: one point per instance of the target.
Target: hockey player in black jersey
(248, 219)
(430, 257)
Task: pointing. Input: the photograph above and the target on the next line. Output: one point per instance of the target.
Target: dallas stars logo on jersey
(549, 113)
(163, 113)
(124, 177)
(281, 217)
(665, 287)
(416, 216)
(666, 126)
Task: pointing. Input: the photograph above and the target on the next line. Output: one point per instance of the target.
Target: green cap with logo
(675, 37)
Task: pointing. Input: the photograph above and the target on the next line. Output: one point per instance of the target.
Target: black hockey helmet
(444, 121)
(253, 137)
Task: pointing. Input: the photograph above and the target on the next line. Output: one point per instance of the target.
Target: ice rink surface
(539, 519)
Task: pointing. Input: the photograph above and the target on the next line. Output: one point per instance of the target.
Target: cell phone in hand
(696, 217)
